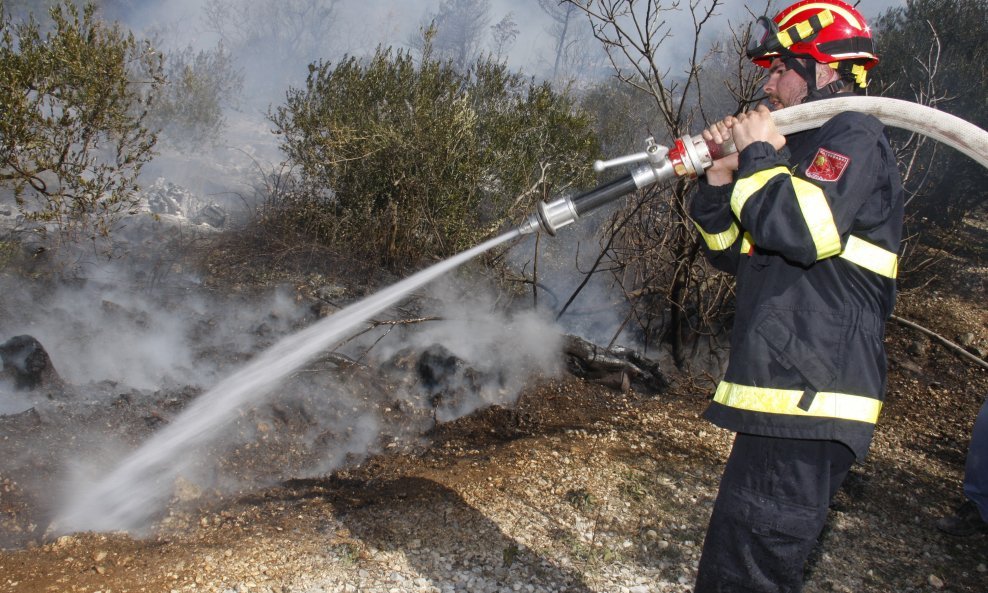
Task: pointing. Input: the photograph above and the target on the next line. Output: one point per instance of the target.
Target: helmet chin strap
(809, 75)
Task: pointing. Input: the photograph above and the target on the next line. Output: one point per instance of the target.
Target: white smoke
(114, 328)
(132, 493)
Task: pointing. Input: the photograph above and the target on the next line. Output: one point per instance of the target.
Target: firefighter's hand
(756, 126)
(722, 171)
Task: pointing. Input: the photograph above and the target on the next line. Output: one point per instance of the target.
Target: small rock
(917, 349)
(978, 351)
(935, 581)
(965, 339)
(26, 364)
(910, 366)
(185, 490)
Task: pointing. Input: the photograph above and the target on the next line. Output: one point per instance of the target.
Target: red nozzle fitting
(676, 158)
(692, 155)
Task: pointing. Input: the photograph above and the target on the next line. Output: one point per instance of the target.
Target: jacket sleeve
(804, 211)
(719, 230)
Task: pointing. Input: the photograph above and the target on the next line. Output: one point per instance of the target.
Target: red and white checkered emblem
(827, 165)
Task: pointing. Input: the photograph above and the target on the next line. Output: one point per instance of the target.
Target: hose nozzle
(657, 163)
(550, 216)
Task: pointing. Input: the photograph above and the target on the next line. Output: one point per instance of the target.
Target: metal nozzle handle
(601, 166)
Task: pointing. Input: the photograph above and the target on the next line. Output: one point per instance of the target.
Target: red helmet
(826, 31)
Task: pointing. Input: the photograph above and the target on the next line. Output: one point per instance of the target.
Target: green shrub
(407, 161)
(72, 135)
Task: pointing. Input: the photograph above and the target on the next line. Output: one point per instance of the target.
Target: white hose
(943, 127)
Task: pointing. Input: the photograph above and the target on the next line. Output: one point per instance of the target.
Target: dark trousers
(770, 509)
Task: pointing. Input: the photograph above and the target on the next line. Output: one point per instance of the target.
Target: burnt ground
(577, 487)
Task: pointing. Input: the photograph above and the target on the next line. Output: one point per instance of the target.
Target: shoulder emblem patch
(827, 165)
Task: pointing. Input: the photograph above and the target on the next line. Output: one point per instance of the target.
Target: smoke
(502, 350)
(111, 327)
(12, 402)
(292, 411)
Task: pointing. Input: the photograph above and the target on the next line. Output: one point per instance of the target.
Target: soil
(576, 487)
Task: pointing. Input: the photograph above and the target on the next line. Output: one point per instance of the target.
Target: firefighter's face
(784, 87)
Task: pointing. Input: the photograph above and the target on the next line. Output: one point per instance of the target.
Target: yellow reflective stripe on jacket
(744, 188)
(812, 203)
(747, 243)
(871, 257)
(858, 251)
(841, 406)
(719, 241)
(818, 217)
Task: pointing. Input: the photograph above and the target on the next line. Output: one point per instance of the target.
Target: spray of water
(129, 496)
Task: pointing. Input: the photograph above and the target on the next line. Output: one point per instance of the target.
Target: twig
(951, 345)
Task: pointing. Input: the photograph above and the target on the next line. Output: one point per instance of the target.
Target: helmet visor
(764, 38)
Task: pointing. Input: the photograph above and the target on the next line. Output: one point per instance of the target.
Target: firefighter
(810, 226)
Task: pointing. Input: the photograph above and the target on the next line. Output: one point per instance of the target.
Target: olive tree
(407, 159)
(73, 137)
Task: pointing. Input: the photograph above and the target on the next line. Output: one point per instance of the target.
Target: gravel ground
(579, 488)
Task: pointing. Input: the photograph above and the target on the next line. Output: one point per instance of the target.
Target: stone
(213, 215)
(917, 348)
(27, 365)
(966, 339)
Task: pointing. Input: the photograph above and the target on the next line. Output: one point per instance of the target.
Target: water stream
(130, 495)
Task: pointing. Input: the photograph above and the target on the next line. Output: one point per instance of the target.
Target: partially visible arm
(711, 206)
(719, 230)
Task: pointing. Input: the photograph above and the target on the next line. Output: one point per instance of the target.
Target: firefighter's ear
(826, 74)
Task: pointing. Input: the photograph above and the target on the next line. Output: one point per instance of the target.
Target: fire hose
(690, 156)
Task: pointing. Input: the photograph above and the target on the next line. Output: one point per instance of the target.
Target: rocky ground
(577, 487)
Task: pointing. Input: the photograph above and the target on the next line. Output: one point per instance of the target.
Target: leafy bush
(404, 161)
(200, 85)
(72, 133)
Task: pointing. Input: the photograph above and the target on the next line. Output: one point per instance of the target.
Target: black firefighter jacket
(813, 242)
